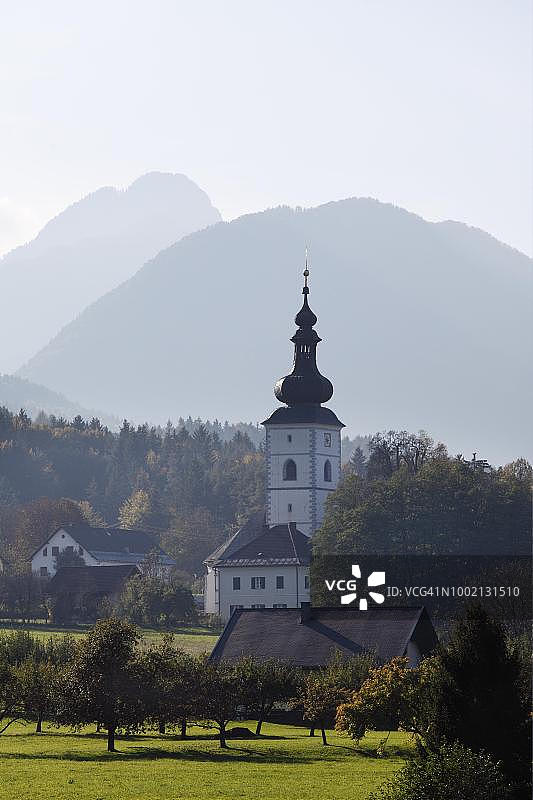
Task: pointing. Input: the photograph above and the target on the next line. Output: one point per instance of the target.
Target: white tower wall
(309, 446)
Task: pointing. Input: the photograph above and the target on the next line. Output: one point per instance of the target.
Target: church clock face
(327, 440)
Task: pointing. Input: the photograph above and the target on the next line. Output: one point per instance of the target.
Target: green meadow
(193, 640)
(283, 763)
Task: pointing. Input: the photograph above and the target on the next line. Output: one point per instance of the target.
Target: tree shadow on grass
(391, 751)
(231, 754)
(100, 736)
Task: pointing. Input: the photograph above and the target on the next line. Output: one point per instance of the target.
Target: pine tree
(358, 462)
(485, 703)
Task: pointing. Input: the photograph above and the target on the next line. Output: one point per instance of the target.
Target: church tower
(303, 438)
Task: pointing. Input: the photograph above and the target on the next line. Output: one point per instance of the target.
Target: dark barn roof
(113, 543)
(286, 634)
(90, 580)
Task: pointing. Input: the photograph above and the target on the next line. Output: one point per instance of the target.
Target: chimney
(306, 613)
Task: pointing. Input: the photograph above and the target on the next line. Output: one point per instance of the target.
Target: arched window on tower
(327, 470)
(289, 470)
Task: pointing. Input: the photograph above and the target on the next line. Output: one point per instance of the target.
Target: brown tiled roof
(281, 633)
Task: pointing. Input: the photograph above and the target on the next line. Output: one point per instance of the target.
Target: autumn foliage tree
(389, 695)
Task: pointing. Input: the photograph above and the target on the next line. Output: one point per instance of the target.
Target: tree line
(409, 496)
(145, 599)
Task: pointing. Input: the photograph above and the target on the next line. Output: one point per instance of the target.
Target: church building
(265, 564)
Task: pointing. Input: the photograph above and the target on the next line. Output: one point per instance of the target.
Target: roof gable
(252, 528)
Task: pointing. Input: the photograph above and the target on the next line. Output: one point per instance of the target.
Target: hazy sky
(423, 103)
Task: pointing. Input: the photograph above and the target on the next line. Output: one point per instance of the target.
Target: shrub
(452, 773)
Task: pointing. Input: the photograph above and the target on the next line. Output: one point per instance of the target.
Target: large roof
(93, 580)
(280, 545)
(310, 637)
(255, 544)
(114, 544)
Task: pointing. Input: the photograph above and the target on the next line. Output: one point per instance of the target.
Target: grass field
(192, 640)
(284, 763)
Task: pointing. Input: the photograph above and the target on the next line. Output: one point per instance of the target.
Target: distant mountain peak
(87, 250)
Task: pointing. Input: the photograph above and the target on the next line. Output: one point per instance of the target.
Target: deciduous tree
(102, 683)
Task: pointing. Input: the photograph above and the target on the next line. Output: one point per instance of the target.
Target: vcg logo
(348, 587)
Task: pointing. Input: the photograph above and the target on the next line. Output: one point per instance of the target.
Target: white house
(266, 563)
(98, 547)
(259, 567)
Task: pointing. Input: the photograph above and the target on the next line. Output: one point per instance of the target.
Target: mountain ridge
(395, 295)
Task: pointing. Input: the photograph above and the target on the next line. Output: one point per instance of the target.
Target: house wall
(301, 501)
(221, 596)
(210, 591)
(61, 539)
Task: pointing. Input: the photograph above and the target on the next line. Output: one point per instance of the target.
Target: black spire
(305, 384)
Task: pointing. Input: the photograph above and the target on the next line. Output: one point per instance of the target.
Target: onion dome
(305, 384)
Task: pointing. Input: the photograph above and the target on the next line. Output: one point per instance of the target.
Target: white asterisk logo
(374, 579)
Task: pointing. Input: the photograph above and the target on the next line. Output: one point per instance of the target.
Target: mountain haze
(425, 325)
(17, 393)
(88, 249)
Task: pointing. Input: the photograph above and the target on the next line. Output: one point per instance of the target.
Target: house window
(55, 551)
(236, 584)
(327, 471)
(289, 507)
(232, 609)
(289, 470)
(80, 550)
(306, 581)
(280, 582)
(279, 605)
(69, 549)
(43, 572)
(257, 583)
(45, 551)
(289, 437)
(327, 440)
(258, 605)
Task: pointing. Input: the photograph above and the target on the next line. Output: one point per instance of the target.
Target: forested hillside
(191, 488)
(193, 483)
